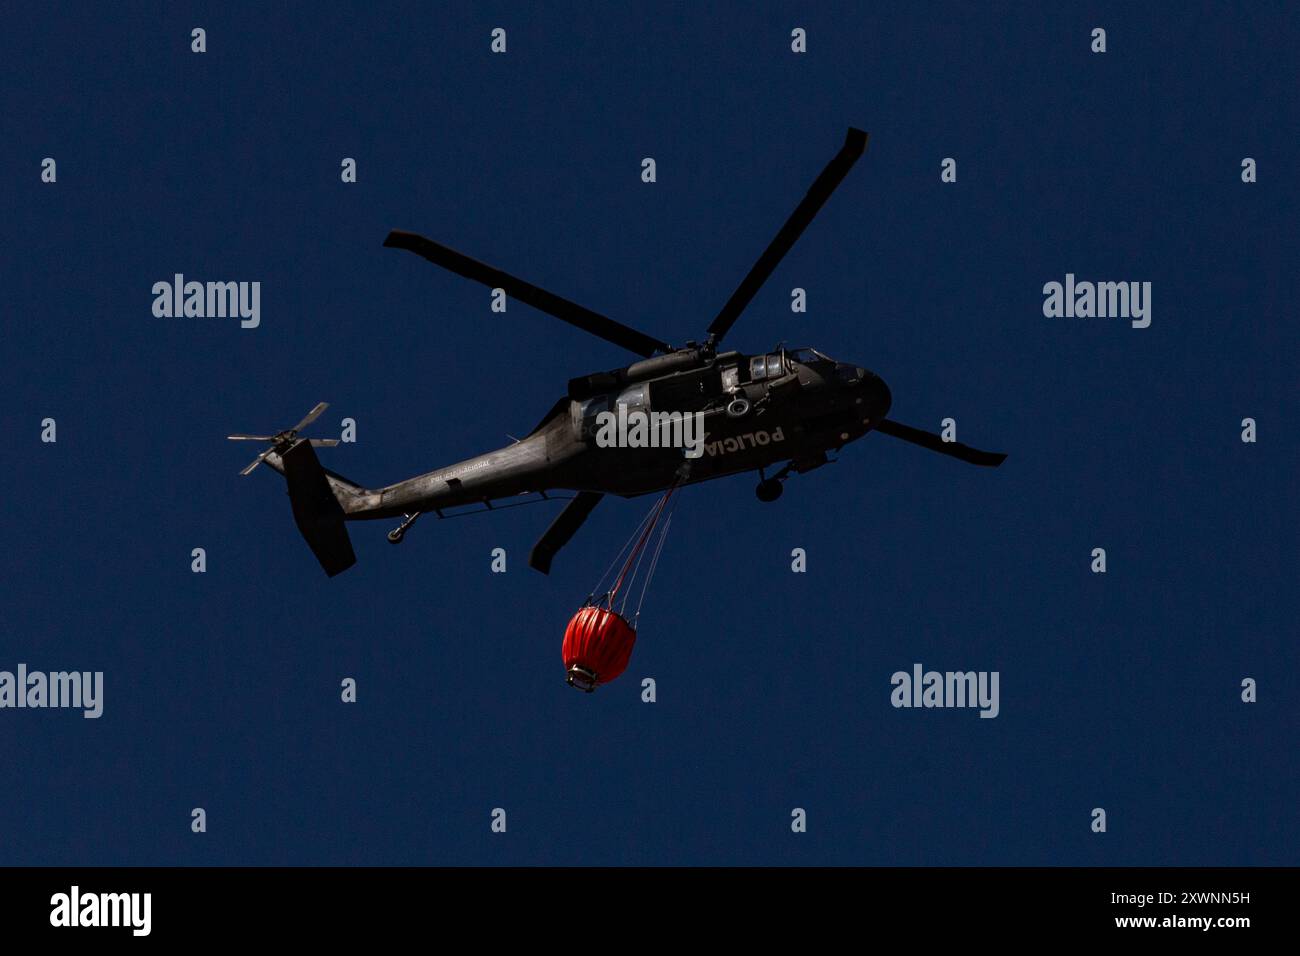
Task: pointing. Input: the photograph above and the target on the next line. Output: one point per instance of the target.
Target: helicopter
(790, 408)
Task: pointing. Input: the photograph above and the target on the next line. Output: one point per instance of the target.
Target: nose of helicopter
(872, 394)
(877, 397)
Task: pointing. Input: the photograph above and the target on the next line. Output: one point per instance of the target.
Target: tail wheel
(769, 489)
(396, 535)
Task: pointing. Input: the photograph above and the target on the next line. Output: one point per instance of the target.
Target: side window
(588, 412)
(774, 369)
(730, 379)
(758, 368)
(634, 396)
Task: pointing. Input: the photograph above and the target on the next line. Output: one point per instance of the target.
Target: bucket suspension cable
(597, 595)
(598, 641)
(654, 563)
(635, 566)
(633, 562)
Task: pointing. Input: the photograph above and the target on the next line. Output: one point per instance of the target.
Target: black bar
(334, 905)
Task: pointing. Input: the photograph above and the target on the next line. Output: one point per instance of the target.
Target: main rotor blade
(243, 437)
(989, 459)
(593, 322)
(311, 416)
(565, 525)
(854, 143)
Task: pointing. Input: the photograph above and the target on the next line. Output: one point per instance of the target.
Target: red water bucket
(597, 646)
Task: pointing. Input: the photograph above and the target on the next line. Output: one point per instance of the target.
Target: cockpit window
(809, 356)
(765, 366)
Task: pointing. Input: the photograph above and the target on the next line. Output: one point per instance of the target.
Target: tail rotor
(280, 441)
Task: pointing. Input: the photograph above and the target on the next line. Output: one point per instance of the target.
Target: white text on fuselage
(462, 470)
(724, 446)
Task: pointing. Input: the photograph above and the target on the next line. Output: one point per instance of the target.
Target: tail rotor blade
(257, 461)
(312, 415)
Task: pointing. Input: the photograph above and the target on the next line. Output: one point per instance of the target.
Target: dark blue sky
(222, 689)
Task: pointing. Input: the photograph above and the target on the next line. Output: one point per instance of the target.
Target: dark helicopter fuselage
(746, 413)
(784, 407)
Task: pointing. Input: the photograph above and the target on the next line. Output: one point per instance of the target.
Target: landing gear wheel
(769, 489)
(395, 536)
